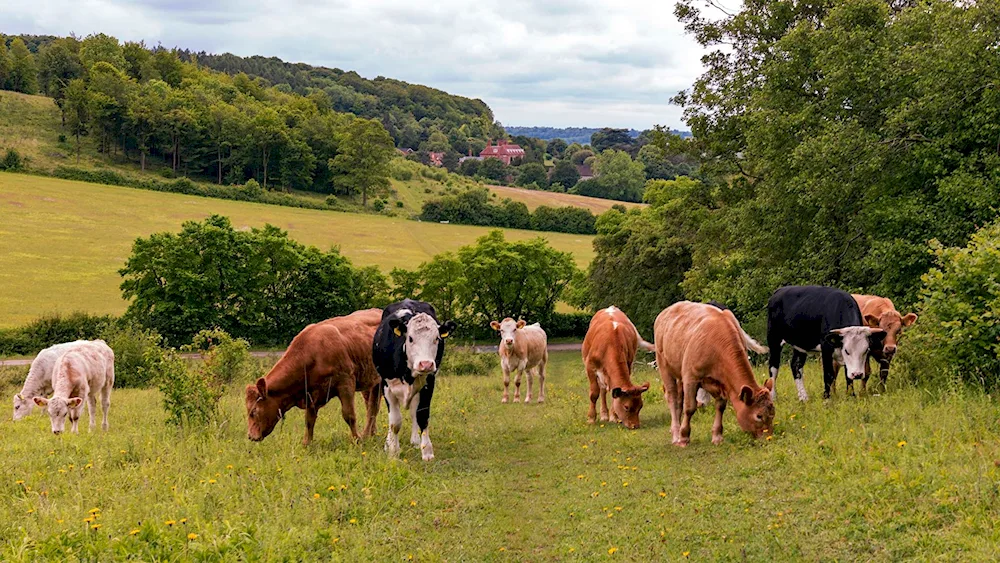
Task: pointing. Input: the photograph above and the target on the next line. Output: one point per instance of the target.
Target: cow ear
(521, 323)
(446, 329)
(495, 325)
(769, 384)
(18, 397)
(41, 401)
(640, 389)
(616, 392)
(262, 388)
(746, 394)
(74, 402)
(871, 321)
(398, 326)
(909, 319)
(877, 338)
(833, 339)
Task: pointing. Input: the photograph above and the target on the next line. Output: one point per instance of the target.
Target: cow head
(627, 402)
(263, 411)
(423, 338)
(855, 342)
(59, 408)
(22, 407)
(892, 323)
(508, 331)
(755, 410)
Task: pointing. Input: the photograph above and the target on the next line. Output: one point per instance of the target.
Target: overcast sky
(546, 62)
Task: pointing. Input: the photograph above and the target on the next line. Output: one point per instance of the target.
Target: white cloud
(559, 63)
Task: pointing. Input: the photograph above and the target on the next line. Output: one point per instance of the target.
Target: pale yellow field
(536, 198)
(62, 242)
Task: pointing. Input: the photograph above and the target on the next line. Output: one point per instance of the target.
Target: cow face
(22, 407)
(854, 343)
(755, 412)
(892, 323)
(508, 331)
(263, 412)
(423, 338)
(59, 408)
(627, 403)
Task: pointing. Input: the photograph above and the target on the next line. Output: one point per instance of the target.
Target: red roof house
(503, 150)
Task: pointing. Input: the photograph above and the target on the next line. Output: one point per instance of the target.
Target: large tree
(23, 76)
(363, 163)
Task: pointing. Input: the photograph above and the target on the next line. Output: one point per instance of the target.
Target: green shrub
(190, 397)
(62, 138)
(957, 336)
(11, 378)
(225, 359)
(399, 203)
(466, 361)
(166, 173)
(138, 354)
(253, 188)
(378, 205)
(45, 331)
(12, 161)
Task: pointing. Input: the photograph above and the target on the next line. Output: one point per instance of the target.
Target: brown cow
(332, 358)
(701, 346)
(608, 352)
(879, 312)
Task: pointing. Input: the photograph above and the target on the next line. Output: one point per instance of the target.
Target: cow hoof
(541, 399)
(591, 421)
(604, 418)
(504, 400)
(682, 443)
(527, 399)
(428, 457)
(717, 440)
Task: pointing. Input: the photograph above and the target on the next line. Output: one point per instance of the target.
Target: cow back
(802, 315)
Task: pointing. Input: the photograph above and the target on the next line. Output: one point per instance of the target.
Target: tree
(57, 65)
(470, 167)
(365, 151)
(5, 63)
(556, 148)
(617, 177)
(494, 170)
(580, 157)
(77, 111)
(532, 173)
(136, 59)
(608, 138)
(147, 110)
(226, 126)
(565, 174)
(267, 131)
(23, 76)
(97, 48)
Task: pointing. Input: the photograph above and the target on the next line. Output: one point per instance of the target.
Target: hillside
(571, 134)
(62, 242)
(536, 198)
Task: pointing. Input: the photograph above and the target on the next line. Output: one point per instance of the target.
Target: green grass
(903, 476)
(62, 242)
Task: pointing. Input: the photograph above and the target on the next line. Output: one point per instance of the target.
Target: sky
(559, 63)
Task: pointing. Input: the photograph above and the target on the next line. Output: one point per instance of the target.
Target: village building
(503, 150)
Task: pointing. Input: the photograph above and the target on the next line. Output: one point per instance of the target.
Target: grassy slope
(535, 198)
(62, 242)
(514, 483)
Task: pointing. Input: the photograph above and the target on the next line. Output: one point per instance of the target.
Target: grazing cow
(332, 358)
(879, 312)
(39, 380)
(608, 352)
(407, 351)
(522, 348)
(700, 346)
(813, 318)
(81, 373)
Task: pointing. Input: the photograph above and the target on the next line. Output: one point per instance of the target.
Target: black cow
(821, 319)
(407, 351)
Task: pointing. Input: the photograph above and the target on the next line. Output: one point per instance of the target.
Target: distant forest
(571, 134)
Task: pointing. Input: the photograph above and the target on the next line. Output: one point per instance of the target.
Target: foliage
(957, 336)
(532, 173)
(190, 396)
(138, 354)
(224, 359)
(617, 176)
(494, 170)
(609, 138)
(563, 219)
(47, 330)
(256, 284)
(579, 135)
(565, 174)
(463, 361)
(365, 151)
(473, 207)
(22, 75)
(12, 161)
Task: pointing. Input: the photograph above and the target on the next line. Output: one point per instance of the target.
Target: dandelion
(612, 550)
(353, 520)
(769, 438)
(184, 520)
(594, 494)
(89, 519)
(663, 494)
(192, 536)
(611, 515)
(335, 540)
(134, 532)
(170, 522)
(625, 484)
(503, 549)
(30, 510)
(315, 495)
(901, 444)
(88, 466)
(413, 503)
(618, 508)
(60, 521)
(343, 487)
(604, 483)
(686, 553)
(230, 467)
(94, 510)
(572, 549)
(95, 526)
(332, 488)
(212, 481)
(122, 452)
(579, 476)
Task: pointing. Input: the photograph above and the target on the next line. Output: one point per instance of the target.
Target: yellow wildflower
(134, 532)
(95, 526)
(315, 495)
(901, 444)
(611, 551)
(170, 522)
(192, 536)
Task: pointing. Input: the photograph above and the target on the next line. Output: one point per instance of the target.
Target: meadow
(62, 242)
(902, 476)
(536, 198)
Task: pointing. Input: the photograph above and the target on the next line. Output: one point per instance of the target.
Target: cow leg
(541, 381)
(371, 411)
(689, 399)
(74, 418)
(346, 394)
(595, 393)
(505, 367)
(311, 414)
(883, 372)
(671, 396)
(829, 375)
(798, 363)
(414, 426)
(527, 373)
(395, 421)
(604, 402)
(720, 409)
(774, 361)
(105, 404)
(423, 419)
(92, 410)
(517, 385)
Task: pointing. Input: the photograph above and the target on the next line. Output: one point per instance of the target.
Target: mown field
(536, 198)
(904, 476)
(62, 242)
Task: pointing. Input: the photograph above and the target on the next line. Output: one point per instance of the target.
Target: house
(503, 150)
(404, 152)
(585, 171)
(436, 158)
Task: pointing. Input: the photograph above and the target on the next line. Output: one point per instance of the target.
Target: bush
(189, 397)
(474, 207)
(253, 188)
(466, 361)
(378, 205)
(62, 138)
(957, 337)
(51, 329)
(166, 173)
(12, 161)
(399, 203)
(138, 354)
(225, 359)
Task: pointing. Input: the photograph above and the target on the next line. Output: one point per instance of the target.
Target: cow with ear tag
(880, 312)
(851, 348)
(407, 351)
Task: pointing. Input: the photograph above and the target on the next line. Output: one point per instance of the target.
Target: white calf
(39, 380)
(81, 373)
(522, 349)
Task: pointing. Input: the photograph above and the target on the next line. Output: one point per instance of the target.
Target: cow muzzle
(856, 375)
(889, 351)
(425, 367)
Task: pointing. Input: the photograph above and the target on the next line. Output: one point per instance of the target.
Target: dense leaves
(473, 207)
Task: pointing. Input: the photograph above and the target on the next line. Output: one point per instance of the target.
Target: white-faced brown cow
(608, 352)
(83, 372)
(879, 312)
(701, 346)
(522, 349)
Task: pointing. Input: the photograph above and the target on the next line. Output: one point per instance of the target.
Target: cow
(328, 359)
(81, 373)
(609, 349)
(39, 380)
(820, 319)
(522, 349)
(879, 312)
(407, 350)
(699, 346)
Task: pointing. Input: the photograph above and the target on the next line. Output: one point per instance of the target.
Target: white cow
(80, 374)
(39, 380)
(522, 349)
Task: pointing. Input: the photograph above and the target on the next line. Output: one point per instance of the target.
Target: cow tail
(647, 346)
(753, 344)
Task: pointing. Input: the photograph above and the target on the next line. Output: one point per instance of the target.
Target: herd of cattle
(395, 353)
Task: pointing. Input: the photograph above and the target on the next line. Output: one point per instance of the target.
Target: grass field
(536, 198)
(62, 242)
(899, 477)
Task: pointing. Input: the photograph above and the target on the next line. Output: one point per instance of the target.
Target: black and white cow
(821, 319)
(407, 352)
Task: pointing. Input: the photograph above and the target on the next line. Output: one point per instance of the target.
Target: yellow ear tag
(445, 334)
(397, 331)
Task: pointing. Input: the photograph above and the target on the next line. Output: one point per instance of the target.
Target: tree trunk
(220, 165)
(364, 196)
(265, 168)
(142, 159)
(78, 147)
